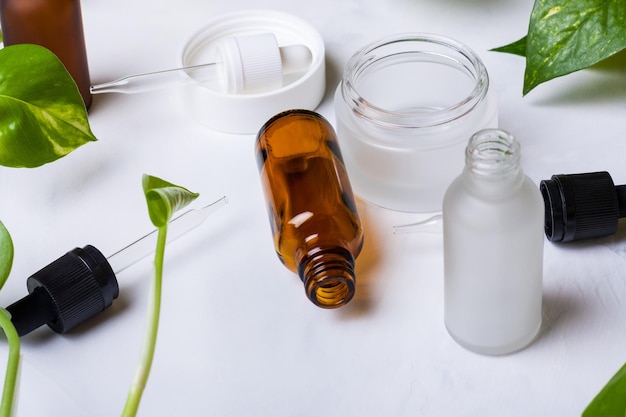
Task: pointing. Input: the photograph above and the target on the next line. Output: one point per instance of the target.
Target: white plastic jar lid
(245, 113)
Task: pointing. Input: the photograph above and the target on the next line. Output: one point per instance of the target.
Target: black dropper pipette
(582, 206)
(83, 283)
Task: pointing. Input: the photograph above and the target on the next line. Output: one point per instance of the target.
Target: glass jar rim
(360, 62)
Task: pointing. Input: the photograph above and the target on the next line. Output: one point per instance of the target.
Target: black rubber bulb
(67, 292)
(582, 206)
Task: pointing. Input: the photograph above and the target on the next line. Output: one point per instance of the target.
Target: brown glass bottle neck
(328, 276)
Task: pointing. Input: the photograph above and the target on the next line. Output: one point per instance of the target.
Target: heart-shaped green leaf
(6, 254)
(42, 114)
(164, 199)
(566, 36)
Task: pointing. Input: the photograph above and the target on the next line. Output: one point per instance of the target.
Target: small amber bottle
(54, 24)
(316, 227)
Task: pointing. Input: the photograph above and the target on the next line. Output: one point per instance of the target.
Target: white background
(238, 336)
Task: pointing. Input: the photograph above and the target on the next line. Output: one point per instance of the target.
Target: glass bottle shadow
(559, 308)
(563, 303)
(367, 268)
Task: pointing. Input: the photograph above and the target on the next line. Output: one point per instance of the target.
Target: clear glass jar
(405, 108)
(493, 218)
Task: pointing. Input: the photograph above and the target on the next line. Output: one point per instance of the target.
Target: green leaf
(6, 254)
(611, 401)
(566, 36)
(515, 48)
(164, 199)
(42, 114)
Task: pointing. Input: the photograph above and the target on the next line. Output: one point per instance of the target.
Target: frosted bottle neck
(492, 163)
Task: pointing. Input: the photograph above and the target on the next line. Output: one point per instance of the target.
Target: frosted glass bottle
(493, 219)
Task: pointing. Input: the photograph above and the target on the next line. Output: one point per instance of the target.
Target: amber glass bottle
(54, 24)
(316, 227)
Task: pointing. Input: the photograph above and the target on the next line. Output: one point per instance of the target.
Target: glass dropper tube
(83, 283)
(244, 64)
(144, 246)
(140, 83)
(432, 224)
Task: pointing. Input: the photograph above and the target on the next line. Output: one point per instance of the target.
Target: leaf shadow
(603, 82)
(616, 63)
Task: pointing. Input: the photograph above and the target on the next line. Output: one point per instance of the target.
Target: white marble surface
(238, 337)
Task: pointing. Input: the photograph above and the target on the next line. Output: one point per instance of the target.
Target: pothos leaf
(42, 114)
(611, 401)
(515, 48)
(164, 199)
(6, 254)
(566, 36)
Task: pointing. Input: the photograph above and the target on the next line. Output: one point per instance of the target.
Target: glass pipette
(140, 83)
(144, 246)
(432, 224)
(251, 63)
(82, 283)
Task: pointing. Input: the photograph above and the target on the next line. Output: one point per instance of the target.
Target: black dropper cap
(582, 206)
(67, 292)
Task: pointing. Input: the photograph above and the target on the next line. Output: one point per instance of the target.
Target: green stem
(143, 370)
(13, 364)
